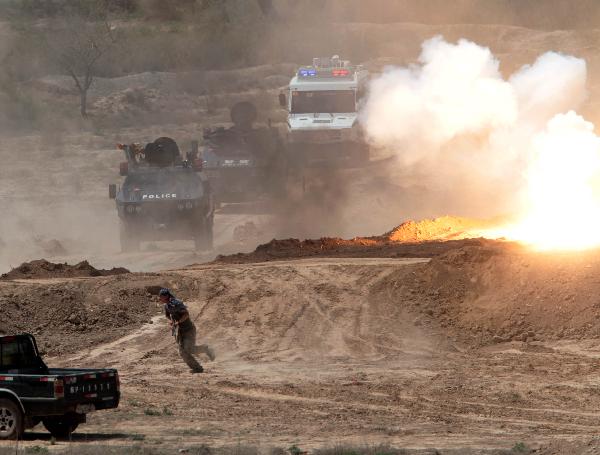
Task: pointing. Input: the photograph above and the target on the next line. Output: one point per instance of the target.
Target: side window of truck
(16, 353)
(9, 355)
(27, 353)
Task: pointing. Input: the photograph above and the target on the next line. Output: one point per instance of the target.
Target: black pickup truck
(31, 393)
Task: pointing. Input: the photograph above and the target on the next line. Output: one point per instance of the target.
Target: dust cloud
(314, 206)
(51, 203)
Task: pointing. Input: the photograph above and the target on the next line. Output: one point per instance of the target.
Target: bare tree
(78, 41)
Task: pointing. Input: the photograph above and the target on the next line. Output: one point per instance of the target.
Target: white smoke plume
(458, 125)
(455, 89)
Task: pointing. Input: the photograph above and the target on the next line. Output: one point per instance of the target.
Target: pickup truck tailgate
(98, 387)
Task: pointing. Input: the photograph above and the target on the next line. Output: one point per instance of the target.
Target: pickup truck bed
(31, 393)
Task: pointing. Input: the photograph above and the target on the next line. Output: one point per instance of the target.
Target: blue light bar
(307, 72)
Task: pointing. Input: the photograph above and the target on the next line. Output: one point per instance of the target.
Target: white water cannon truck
(322, 102)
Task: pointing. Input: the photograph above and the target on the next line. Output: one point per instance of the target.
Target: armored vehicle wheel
(130, 240)
(60, 427)
(11, 420)
(203, 239)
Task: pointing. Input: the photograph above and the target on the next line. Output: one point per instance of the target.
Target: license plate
(84, 408)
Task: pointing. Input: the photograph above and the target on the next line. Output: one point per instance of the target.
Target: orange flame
(563, 188)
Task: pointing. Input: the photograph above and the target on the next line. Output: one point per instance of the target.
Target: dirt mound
(425, 238)
(301, 310)
(44, 269)
(498, 292)
(443, 228)
(277, 250)
(70, 315)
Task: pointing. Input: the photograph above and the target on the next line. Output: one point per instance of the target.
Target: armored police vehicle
(322, 103)
(244, 162)
(163, 196)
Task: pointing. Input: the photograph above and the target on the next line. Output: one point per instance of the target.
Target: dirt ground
(482, 347)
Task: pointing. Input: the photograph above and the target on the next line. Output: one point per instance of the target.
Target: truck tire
(11, 420)
(60, 427)
(203, 240)
(129, 240)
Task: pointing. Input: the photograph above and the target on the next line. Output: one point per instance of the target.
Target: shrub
(521, 447)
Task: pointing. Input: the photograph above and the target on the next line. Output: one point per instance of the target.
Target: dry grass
(242, 449)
